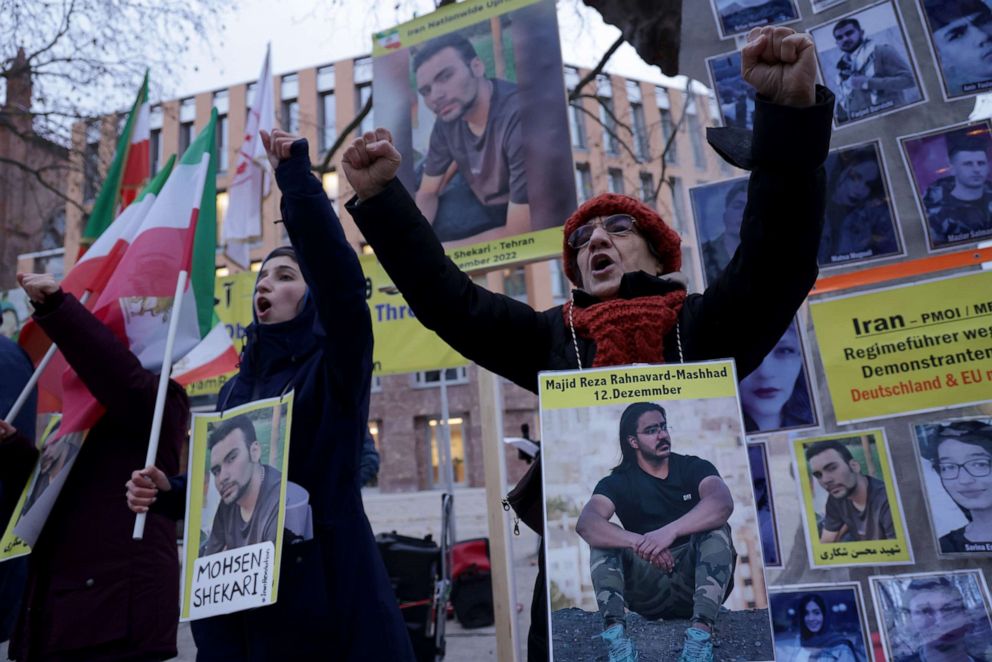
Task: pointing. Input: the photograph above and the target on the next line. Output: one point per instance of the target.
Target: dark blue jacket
(335, 600)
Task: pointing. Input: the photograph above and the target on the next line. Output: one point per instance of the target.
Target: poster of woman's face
(777, 395)
(739, 16)
(864, 58)
(934, 616)
(757, 455)
(950, 168)
(734, 96)
(859, 223)
(956, 468)
(960, 34)
(718, 211)
(819, 622)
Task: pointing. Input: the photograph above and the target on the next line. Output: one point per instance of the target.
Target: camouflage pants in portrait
(697, 586)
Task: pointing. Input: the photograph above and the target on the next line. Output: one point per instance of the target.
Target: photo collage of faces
(850, 510)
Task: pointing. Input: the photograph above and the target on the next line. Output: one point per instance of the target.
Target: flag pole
(163, 385)
(36, 375)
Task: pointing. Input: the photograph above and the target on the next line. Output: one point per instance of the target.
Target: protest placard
(629, 454)
(236, 499)
(852, 514)
(910, 348)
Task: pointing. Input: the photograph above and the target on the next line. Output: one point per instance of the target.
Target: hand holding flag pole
(163, 385)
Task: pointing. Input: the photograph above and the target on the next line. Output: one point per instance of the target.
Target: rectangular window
(615, 180)
(91, 162)
(583, 182)
(667, 127)
(647, 188)
(515, 283)
(221, 105)
(607, 116)
(560, 287)
(155, 138)
(576, 117)
(221, 202)
(457, 436)
(327, 132)
(695, 129)
(363, 90)
(638, 124)
(431, 378)
(289, 92)
(187, 128)
(678, 203)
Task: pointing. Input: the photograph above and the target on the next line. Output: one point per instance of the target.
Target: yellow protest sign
(590, 388)
(852, 513)
(910, 348)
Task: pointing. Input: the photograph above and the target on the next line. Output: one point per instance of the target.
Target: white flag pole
(45, 360)
(163, 385)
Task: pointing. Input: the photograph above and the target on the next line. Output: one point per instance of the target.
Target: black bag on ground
(414, 566)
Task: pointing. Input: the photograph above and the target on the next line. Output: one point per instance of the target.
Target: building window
(560, 287)
(607, 116)
(647, 188)
(187, 128)
(678, 203)
(667, 127)
(375, 431)
(91, 162)
(376, 384)
(515, 283)
(576, 118)
(330, 182)
(695, 129)
(583, 182)
(639, 124)
(221, 105)
(327, 132)
(615, 180)
(457, 435)
(431, 378)
(363, 90)
(289, 91)
(155, 138)
(221, 207)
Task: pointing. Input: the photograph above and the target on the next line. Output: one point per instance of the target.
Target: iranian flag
(128, 172)
(177, 234)
(214, 356)
(90, 273)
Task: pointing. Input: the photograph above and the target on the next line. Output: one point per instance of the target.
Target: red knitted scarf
(628, 330)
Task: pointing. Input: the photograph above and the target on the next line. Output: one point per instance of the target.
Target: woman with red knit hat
(630, 304)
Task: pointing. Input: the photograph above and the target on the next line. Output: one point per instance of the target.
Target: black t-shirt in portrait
(645, 503)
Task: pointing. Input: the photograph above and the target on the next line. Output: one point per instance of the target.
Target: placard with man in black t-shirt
(673, 509)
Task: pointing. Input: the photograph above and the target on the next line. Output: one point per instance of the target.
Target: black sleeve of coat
(501, 334)
(775, 266)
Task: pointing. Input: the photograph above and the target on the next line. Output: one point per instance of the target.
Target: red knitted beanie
(665, 241)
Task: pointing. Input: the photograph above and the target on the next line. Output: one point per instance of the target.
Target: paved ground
(419, 514)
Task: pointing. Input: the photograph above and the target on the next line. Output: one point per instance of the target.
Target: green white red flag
(178, 233)
(128, 172)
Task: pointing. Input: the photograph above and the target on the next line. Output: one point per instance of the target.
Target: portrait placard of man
(476, 152)
(249, 490)
(866, 58)
(857, 506)
(937, 616)
(961, 33)
(672, 555)
(959, 204)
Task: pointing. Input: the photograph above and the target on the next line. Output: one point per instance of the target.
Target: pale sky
(305, 33)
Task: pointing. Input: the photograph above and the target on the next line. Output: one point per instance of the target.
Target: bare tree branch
(611, 132)
(671, 141)
(598, 69)
(345, 135)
